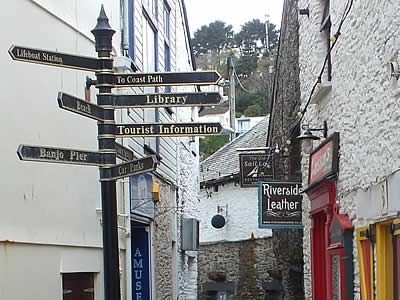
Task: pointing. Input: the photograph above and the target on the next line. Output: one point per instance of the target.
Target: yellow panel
(364, 272)
(384, 261)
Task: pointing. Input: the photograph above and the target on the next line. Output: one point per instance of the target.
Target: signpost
(139, 166)
(103, 112)
(167, 79)
(58, 59)
(80, 106)
(59, 155)
(167, 100)
(167, 129)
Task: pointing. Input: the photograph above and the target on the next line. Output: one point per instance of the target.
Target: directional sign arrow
(167, 100)
(123, 152)
(139, 166)
(59, 155)
(80, 106)
(167, 78)
(168, 129)
(39, 56)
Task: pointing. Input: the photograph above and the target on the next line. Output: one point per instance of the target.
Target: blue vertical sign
(141, 195)
(141, 274)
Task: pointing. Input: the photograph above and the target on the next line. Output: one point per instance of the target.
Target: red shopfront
(331, 232)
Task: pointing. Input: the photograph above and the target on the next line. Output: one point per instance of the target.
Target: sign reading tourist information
(123, 152)
(139, 166)
(167, 100)
(58, 59)
(253, 168)
(167, 78)
(80, 106)
(59, 155)
(279, 204)
(168, 129)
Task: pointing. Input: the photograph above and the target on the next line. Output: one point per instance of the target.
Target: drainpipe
(128, 250)
(125, 26)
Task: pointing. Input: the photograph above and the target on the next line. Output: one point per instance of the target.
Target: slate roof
(214, 110)
(225, 162)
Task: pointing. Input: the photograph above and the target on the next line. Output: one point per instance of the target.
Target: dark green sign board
(280, 204)
(138, 166)
(59, 155)
(167, 79)
(80, 106)
(167, 100)
(167, 129)
(44, 57)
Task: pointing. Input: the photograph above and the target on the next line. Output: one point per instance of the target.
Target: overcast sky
(232, 12)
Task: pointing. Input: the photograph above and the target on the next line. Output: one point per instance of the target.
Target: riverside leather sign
(280, 204)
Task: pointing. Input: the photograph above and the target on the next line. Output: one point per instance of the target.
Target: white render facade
(50, 216)
(362, 103)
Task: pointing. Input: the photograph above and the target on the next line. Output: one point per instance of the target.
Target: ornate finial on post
(103, 35)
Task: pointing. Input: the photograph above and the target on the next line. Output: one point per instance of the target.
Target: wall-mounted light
(307, 138)
(394, 69)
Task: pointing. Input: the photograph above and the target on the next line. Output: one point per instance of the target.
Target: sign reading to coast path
(167, 78)
(167, 100)
(168, 129)
(59, 155)
(58, 59)
(138, 166)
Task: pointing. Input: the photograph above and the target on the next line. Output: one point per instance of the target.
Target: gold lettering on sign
(78, 156)
(166, 99)
(123, 130)
(51, 154)
(81, 106)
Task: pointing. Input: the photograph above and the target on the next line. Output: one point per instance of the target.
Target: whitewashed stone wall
(363, 106)
(241, 210)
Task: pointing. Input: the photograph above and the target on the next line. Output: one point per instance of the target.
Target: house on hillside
(51, 215)
(235, 257)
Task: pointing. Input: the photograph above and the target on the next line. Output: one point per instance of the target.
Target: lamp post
(103, 36)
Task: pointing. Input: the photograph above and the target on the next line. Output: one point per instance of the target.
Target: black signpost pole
(103, 35)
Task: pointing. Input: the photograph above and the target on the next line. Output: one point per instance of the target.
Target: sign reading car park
(253, 168)
(280, 204)
(138, 166)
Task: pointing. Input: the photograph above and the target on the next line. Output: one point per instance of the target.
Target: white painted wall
(48, 218)
(241, 214)
(363, 106)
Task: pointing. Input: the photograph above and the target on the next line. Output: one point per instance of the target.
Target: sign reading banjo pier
(166, 129)
(280, 204)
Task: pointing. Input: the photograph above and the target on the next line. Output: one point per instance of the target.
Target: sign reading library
(279, 204)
